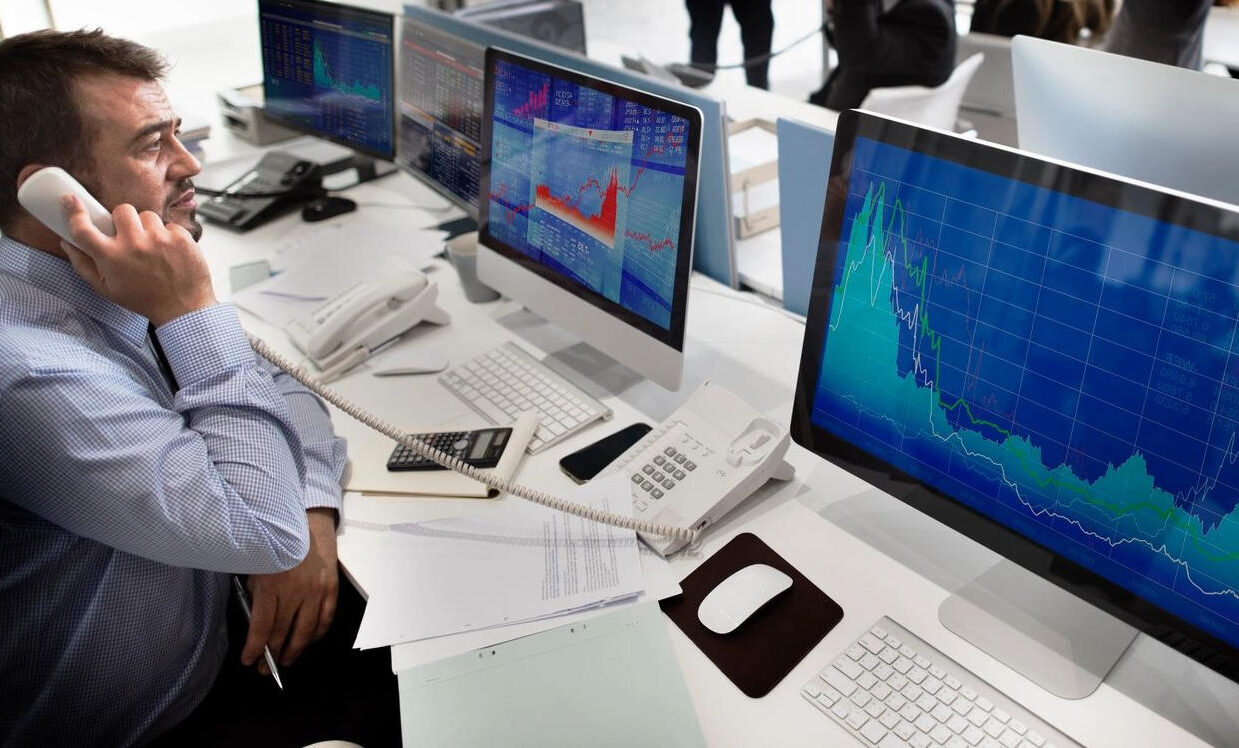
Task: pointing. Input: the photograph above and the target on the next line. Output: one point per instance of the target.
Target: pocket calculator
(481, 449)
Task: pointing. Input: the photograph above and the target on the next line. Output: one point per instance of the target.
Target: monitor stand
(1046, 634)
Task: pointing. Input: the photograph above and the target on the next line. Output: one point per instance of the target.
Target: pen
(266, 651)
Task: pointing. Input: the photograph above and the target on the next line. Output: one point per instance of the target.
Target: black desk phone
(278, 182)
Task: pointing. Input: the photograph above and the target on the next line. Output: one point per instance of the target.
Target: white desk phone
(345, 330)
(731, 448)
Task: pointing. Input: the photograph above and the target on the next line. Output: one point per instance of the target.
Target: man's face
(137, 157)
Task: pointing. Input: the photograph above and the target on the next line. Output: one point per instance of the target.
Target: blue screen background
(589, 185)
(1064, 367)
(331, 80)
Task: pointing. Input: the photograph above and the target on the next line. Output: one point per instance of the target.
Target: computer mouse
(322, 208)
(739, 596)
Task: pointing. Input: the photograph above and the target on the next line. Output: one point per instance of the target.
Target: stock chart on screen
(328, 70)
(590, 185)
(1065, 367)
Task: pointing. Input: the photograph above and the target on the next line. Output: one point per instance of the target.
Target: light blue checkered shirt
(123, 507)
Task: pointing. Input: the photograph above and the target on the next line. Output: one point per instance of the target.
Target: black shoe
(690, 75)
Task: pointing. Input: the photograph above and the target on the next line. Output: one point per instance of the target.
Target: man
(756, 21)
(148, 453)
(1172, 33)
(884, 43)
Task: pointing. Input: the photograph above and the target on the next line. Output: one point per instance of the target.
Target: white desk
(870, 552)
(873, 554)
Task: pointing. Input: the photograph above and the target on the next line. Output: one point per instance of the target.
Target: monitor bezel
(673, 335)
(401, 159)
(338, 10)
(1071, 576)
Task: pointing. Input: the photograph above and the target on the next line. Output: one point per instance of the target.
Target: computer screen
(590, 188)
(712, 248)
(1052, 349)
(328, 70)
(441, 110)
(1163, 124)
(557, 22)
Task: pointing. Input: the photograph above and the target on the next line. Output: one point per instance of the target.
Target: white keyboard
(891, 688)
(504, 381)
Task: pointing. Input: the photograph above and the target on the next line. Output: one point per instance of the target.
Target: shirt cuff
(204, 343)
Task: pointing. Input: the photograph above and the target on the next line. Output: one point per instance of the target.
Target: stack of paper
(522, 562)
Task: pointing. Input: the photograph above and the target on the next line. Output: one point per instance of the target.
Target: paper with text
(521, 562)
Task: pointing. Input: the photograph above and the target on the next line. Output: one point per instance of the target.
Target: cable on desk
(451, 463)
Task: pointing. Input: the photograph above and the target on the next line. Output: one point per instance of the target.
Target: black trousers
(332, 692)
(756, 33)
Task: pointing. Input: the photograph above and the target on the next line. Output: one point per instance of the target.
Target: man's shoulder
(39, 331)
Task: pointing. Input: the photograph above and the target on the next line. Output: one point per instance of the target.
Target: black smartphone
(584, 464)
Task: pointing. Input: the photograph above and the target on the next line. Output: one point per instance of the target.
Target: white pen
(266, 651)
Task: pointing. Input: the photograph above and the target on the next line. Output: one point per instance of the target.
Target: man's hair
(40, 118)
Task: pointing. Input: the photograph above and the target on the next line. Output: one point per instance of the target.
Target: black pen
(266, 651)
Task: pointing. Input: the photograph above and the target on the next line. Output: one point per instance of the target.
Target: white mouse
(739, 596)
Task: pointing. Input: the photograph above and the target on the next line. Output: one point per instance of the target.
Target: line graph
(324, 79)
(588, 184)
(935, 360)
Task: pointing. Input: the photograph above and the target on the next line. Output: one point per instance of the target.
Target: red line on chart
(600, 225)
(569, 201)
(654, 245)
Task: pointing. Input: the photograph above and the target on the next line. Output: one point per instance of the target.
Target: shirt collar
(56, 276)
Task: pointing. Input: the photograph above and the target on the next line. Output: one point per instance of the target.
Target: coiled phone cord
(451, 463)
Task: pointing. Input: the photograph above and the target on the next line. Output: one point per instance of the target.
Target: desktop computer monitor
(1042, 357)
(1158, 123)
(440, 126)
(712, 249)
(557, 22)
(589, 191)
(328, 70)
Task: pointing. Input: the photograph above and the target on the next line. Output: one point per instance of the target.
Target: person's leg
(705, 20)
(756, 33)
(331, 692)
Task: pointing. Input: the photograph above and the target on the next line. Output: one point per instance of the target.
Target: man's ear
(26, 172)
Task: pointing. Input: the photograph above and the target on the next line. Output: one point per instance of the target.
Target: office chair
(934, 107)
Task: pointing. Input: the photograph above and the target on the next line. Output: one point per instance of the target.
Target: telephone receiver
(40, 195)
(346, 329)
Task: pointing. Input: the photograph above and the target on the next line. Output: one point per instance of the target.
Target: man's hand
(291, 609)
(149, 267)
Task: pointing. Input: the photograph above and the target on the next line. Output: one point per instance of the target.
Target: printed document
(519, 563)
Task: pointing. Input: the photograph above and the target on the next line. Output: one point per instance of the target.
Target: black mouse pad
(764, 648)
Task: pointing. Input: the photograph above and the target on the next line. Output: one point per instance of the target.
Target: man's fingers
(127, 221)
(302, 634)
(86, 236)
(151, 222)
(280, 630)
(262, 617)
(82, 264)
(326, 613)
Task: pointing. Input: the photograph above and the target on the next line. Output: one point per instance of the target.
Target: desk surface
(873, 554)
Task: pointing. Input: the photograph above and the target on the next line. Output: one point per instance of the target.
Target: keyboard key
(878, 631)
(1019, 727)
(993, 728)
(869, 662)
(920, 741)
(873, 732)
(839, 682)
(1009, 739)
(925, 723)
(889, 719)
(880, 691)
(985, 703)
(1035, 738)
(910, 712)
(868, 681)
(857, 719)
(871, 643)
(874, 709)
(957, 724)
(973, 735)
(861, 698)
(849, 668)
(904, 730)
(940, 734)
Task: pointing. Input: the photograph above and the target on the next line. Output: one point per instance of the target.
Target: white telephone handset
(40, 195)
(701, 462)
(347, 328)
